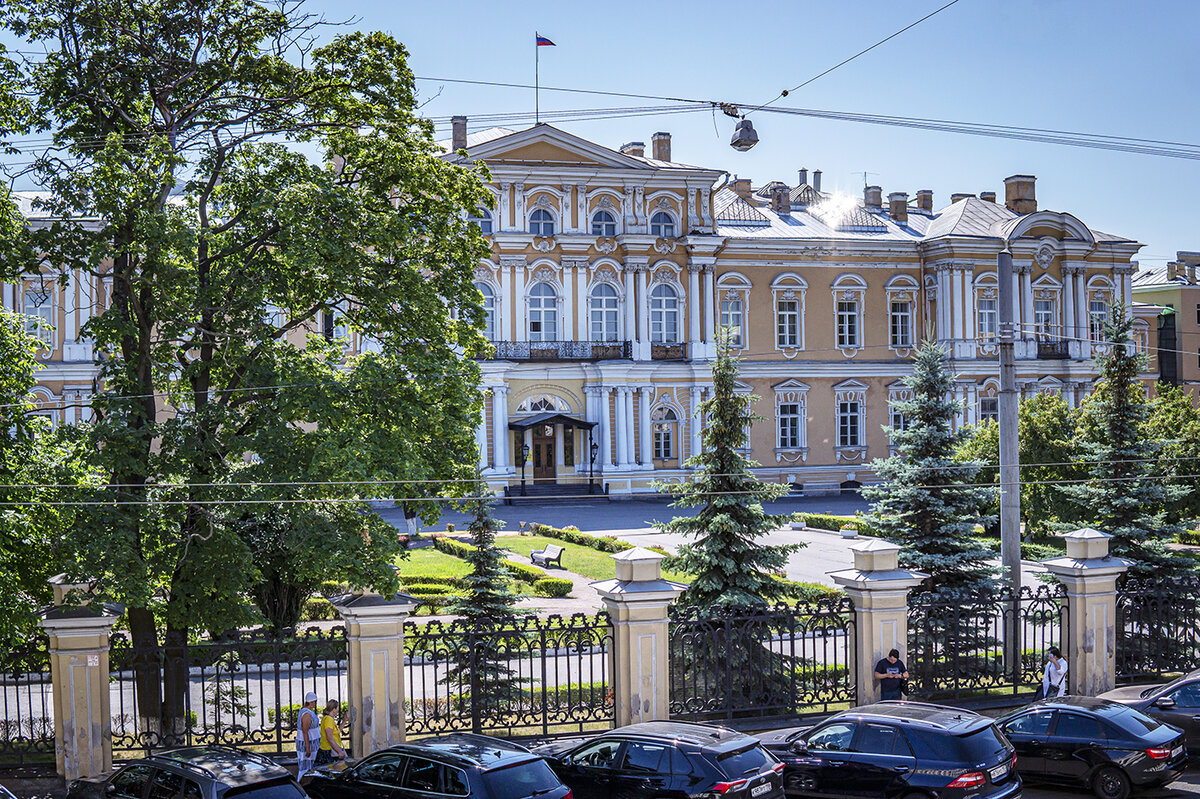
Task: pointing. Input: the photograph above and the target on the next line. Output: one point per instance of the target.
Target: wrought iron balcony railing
(563, 350)
(668, 352)
(1049, 349)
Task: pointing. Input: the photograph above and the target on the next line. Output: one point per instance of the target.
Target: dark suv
(895, 749)
(199, 772)
(664, 758)
(461, 764)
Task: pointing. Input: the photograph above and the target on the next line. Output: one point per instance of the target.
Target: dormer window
(604, 224)
(541, 223)
(662, 225)
(483, 219)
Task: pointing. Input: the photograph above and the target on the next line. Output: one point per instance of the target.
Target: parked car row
(889, 750)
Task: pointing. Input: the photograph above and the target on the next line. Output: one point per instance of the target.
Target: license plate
(759, 790)
(1177, 751)
(998, 773)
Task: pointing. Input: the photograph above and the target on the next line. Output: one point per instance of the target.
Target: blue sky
(1099, 66)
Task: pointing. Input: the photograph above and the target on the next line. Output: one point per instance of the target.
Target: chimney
(458, 133)
(740, 186)
(661, 142)
(1191, 273)
(1172, 270)
(816, 181)
(873, 196)
(925, 200)
(987, 196)
(1019, 194)
(781, 198)
(635, 148)
(898, 207)
(959, 196)
(803, 175)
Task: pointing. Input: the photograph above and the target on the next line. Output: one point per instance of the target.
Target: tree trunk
(175, 686)
(410, 518)
(147, 675)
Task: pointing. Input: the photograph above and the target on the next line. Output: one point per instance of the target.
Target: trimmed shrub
(426, 589)
(552, 587)
(599, 543)
(430, 579)
(1191, 537)
(825, 521)
(317, 608)
(520, 571)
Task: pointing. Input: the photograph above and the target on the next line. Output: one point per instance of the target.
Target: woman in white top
(308, 734)
(1054, 679)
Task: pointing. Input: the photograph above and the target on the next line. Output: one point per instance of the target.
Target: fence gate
(764, 662)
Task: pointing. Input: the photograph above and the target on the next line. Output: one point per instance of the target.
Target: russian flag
(542, 41)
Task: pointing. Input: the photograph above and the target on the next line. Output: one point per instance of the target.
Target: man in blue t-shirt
(891, 674)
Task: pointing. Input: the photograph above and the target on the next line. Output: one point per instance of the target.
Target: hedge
(520, 571)
(552, 587)
(1190, 537)
(825, 521)
(599, 543)
(317, 609)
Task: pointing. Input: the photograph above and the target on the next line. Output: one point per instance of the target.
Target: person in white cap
(308, 734)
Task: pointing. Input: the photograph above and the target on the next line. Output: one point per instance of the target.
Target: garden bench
(544, 557)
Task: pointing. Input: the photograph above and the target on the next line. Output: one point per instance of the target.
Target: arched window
(541, 403)
(664, 315)
(483, 218)
(39, 313)
(543, 313)
(604, 313)
(489, 308)
(664, 419)
(541, 223)
(604, 224)
(662, 225)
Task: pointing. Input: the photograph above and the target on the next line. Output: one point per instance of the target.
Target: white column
(646, 437)
(70, 304)
(10, 303)
(956, 282)
(1018, 308)
(519, 311)
(581, 280)
(622, 428)
(694, 424)
(630, 430)
(500, 458)
(559, 449)
(943, 302)
(481, 439)
(1070, 328)
(1083, 316)
(630, 307)
(693, 306)
(710, 308)
(519, 202)
(1127, 291)
(604, 431)
(567, 329)
(505, 330)
(1026, 295)
(642, 307)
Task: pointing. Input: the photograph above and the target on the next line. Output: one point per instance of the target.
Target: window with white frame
(541, 403)
(336, 327)
(665, 421)
(39, 313)
(603, 313)
(787, 323)
(847, 323)
(989, 409)
(664, 314)
(604, 224)
(987, 319)
(1045, 319)
(273, 316)
(489, 310)
(791, 421)
(541, 223)
(662, 225)
(901, 318)
(733, 317)
(788, 419)
(850, 401)
(482, 218)
(543, 313)
(1098, 314)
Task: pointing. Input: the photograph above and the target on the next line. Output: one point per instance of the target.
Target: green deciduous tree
(1174, 421)
(181, 175)
(725, 553)
(927, 501)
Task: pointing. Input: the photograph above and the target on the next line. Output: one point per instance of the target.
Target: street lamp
(592, 450)
(524, 460)
(744, 136)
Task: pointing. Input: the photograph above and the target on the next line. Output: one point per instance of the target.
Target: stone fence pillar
(375, 668)
(879, 589)
(1090, 575)
(79, 644)
(637, 601)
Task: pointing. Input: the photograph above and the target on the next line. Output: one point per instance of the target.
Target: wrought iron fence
(957, 641)
(27, 728)
(539, 677)
(240, 690)
(1158, 628)
(563, 350)
(762, 662)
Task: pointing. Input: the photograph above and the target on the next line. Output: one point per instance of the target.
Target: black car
(898, 749)
(461, 764)
(1176, 703)
(667, 759)
(200, 772)
(1106, 747)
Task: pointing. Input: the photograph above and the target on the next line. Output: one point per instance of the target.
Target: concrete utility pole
(1010, 458)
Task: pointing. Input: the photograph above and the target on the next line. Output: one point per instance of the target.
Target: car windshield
(531, 778)
(748, 760)
(284, 788)
(1156, 689)
(985, 745)
(1128, 719)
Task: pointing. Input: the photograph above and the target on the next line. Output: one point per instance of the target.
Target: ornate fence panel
(27, 728)
(243, 690)
(1158, 629)
(956, 642)
(762, 662)
(539, 677)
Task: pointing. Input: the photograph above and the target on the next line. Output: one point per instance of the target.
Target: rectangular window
(789, 425)
(847, 323)
(988, 319)
(1098, 315)
(1198, 313)
(732, 317)
(787, 323)
(849, 434)
(899, 422)
(662, 441)
(1043, 320)
(901, 324)
(989, 409)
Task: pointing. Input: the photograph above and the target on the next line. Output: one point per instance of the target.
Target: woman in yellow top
(331, 737)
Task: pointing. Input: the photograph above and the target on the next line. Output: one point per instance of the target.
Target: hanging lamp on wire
(744, 136)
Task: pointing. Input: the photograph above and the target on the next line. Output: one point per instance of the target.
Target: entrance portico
(547, 443)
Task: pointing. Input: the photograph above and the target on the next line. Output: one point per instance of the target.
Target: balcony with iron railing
(668, 352)
(1052, 349)
(562, 350)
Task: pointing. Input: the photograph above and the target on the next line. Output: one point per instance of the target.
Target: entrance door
(543, 454)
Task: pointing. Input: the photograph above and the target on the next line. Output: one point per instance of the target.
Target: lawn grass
(430, 562)
(579, 559)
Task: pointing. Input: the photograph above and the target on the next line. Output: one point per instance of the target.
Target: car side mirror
(110, 789)
(1164, 703)
(800, 747)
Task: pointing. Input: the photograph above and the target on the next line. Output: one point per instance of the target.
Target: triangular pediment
(549, 145)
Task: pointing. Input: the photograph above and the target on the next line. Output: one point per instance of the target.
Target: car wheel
(1111, 783)
(800, 784)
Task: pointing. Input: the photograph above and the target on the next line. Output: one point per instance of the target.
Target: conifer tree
(927, 501)
(725, 552)
(1123, 495)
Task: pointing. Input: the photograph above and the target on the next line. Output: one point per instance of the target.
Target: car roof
(222, 764)
(704, 735)
(1076, 703)
(469, 749)
(920, 714)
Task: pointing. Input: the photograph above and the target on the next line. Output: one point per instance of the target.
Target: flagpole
(537, 83)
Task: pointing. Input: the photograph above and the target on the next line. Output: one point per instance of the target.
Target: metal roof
(732, 209)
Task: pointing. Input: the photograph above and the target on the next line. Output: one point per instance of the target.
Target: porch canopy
(549, 418)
